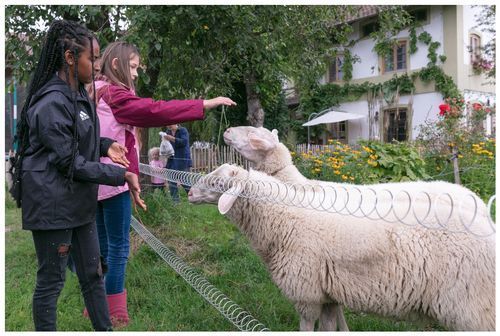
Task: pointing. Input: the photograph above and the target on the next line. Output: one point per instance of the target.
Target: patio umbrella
(327, 117)
(333, 117)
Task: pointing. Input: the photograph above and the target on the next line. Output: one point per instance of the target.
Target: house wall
(424, 107)
(450, 25)
(368, 68)
(466, 78)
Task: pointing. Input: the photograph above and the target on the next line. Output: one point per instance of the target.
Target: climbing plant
(319, 97)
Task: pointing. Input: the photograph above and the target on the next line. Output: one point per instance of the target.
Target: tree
(25, 27)
(196, 50)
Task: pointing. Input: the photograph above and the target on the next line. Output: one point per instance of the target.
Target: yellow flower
(344, 177)
(205, 27)
(460, 156)
(292, 153)
(317, 170)
(351, 178)
(367, 149)
(330, 141)
(337, 172)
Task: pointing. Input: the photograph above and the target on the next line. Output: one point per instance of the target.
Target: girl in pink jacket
(120, 111)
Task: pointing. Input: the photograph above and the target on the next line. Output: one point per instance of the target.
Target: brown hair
(123, 52)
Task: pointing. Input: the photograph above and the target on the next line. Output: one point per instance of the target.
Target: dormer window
(420, 15)
(369, 27)
(475, 48)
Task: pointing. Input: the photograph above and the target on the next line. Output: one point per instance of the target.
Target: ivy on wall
(320, 97)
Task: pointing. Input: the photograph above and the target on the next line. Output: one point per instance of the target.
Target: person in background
(120, 112)
(57, 172)
(154, 161)
(179, 137)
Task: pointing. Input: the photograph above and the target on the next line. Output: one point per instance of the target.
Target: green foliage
(425, 38)
(413, 40)
(440, 140)
(397, 161)
(392, 20)
(444, 83)
(320, 97)
(347, 66)
(374, 162)
(23, 34)
(266, 48)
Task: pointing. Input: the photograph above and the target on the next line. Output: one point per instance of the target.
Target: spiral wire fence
(230, 310)
(454, 211)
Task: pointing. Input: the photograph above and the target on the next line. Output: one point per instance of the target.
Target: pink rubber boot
(118, 312)
(118, 309)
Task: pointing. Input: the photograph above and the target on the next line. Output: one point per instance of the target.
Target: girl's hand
(212, 103)
(117, 152)
(135, 189)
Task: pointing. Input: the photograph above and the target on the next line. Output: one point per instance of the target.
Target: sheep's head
(220, 187)
(253, 143)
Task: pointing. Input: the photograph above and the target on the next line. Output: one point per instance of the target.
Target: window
(395, 124)
(335, 72)
(369, 27)
(420, 15)
(396, 60)
(475, 48)
(339, 131)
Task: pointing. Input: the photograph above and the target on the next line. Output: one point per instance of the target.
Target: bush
(374, 162)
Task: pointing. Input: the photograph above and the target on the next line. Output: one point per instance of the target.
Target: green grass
(159, 299)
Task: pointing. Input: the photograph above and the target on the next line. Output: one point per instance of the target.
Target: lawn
(159, 299)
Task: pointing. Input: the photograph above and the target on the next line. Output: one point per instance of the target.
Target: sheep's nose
(190, 193)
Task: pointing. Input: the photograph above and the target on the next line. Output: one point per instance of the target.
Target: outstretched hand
(135, 189)
(117, 152)
(215, 102)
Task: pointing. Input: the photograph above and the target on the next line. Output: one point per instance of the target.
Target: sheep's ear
(227, 199)
(259, 143)
(274, 132)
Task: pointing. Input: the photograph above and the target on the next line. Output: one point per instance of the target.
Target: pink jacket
(157, 164)
(120, 111)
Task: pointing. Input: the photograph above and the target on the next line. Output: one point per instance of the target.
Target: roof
(363, 11)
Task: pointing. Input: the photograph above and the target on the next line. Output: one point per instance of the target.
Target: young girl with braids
(120, 111)
(58, 169)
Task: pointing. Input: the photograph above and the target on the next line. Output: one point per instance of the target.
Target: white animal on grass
(319, 258)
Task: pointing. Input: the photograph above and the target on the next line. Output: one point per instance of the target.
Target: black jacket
(47, 201)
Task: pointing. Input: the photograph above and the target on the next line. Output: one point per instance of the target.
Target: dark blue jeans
(174, 190)
(53, 248)
(113, 226)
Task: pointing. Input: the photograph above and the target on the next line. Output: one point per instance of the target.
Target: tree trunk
(255, 111)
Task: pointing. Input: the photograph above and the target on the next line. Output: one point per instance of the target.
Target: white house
(454, 27)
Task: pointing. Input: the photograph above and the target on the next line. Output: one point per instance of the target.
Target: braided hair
(63, 35)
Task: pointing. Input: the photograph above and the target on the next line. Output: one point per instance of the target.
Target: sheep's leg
(309, 313)
(332, 316)
(306, 325)
(339, 316)
(328, 318)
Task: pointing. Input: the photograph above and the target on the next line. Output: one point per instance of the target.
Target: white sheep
(371, 266)
(435, 204)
